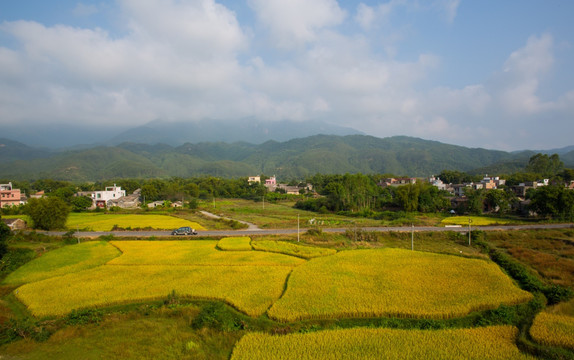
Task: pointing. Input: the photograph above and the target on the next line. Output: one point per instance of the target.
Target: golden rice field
(553, 329)
(62, 261)
(251, 289)
(475, 221)
(195, 252)
(495, 343)
(238, 243)
(287, 248)
(105, 222)
(394, 282)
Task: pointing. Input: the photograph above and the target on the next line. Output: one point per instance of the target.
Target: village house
(396, 182)
(10, 196)
(254, 179)
(15, 224)
(101, 198)
(521, 189)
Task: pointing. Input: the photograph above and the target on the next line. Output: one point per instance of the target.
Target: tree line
(351, 194)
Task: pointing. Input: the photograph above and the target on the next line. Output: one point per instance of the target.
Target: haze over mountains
(171, 132)
(285, 149)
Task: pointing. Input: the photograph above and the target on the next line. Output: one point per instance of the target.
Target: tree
(80, 203)
(4, 234)
(408, 197)
(553, 201)
(48, 213)
(497, 200)
(545, 165)
(475, 200)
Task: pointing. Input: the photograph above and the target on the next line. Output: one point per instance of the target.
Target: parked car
(185, 230)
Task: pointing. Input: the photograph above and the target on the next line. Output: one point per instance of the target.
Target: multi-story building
(9, 196)
(101, 198)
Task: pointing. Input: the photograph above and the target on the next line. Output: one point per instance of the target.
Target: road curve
(250, 232)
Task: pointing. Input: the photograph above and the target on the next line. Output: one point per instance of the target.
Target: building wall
(9, 196)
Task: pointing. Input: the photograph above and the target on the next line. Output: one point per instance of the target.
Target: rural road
(258, 231)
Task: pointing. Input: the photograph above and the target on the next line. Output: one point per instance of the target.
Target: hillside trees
(545, 165)
(48, 213)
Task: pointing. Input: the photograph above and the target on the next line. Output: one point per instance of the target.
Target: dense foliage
(49, 213)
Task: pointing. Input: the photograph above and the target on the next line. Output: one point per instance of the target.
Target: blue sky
(492, 74)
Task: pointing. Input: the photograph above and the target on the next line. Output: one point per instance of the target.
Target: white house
(101, 198)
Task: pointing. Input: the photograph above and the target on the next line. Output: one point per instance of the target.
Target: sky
(491, 74)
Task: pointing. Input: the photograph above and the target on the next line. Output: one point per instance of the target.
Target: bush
(26, 328)
(15, 258)
(218, 316)
(85, 316)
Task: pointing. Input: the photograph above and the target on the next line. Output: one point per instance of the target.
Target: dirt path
(251, 227)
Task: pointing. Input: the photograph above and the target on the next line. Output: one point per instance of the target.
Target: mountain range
(294, 158)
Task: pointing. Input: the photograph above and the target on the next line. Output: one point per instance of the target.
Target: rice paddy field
(372, 344)
(289, 248)
(394, 282)
(62, 261)
(475, 221)
(106, 222)
(553, 329)
(291, 291)
(241, 243)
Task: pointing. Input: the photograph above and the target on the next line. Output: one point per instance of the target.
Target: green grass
(161, 334)
(280, 215)
(62, 261)
(106, 222)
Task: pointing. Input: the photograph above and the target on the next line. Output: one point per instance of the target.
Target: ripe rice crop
(62, 261)
(476, 221)
(241, 243)
(105, 222)
(495, 343)
(394, 282)
(287, 248)
(251, 289)
(553, 329)
(196, 252)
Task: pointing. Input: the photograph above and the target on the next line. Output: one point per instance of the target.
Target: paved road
(249, 232)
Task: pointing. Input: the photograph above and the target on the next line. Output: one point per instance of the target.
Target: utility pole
(412, 236)
(469, 221)
(297, 227)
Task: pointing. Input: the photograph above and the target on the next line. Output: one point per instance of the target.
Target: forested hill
(297, 158)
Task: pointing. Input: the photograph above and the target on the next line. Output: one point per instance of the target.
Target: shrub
(218, 316)
(85, 316)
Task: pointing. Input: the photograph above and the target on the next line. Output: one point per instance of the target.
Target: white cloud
(449, 7)
(296, 22)
(523, 71)
(191, 59)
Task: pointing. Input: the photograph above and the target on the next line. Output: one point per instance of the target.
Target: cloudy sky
(489, 73)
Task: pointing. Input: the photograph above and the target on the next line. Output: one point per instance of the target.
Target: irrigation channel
(257, 231)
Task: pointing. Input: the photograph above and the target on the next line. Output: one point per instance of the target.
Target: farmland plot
(65, 260)
(251, 289)
(197, 252)
(553, 329)
(105, 222)
(394, 282)
(495, 342)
